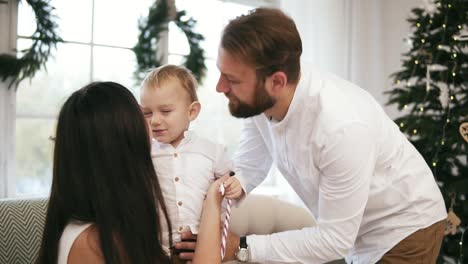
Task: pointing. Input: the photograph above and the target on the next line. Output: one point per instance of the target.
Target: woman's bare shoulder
(86, 248)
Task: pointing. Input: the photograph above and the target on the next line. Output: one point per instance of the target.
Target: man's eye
(166, 111)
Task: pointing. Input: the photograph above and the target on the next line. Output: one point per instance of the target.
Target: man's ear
(194, 110)
(276, 82)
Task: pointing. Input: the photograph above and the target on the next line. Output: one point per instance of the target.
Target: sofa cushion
(21, 225)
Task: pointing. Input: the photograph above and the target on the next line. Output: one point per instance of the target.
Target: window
(99, 48)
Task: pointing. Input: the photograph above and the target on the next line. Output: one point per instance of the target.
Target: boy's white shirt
(185, 174)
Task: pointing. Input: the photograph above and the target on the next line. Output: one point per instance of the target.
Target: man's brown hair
(267, 39)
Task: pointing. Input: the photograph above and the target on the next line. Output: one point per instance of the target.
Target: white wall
(394, 29)
(324, 32)
(359, 40)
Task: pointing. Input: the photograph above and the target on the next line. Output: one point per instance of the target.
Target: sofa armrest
(260, 214)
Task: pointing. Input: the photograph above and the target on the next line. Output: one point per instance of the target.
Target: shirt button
(179, 203)
(176, 179)
(175, 155)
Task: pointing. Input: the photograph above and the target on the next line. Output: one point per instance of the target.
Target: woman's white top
(69, 235)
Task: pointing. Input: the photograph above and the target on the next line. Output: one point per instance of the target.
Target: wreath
(160, 14)
(45, 38)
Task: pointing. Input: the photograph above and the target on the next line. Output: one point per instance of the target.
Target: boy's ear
(194, 110)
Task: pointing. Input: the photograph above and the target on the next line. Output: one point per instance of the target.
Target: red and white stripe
(225, 224)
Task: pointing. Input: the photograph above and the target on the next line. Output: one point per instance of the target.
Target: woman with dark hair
(105, 204)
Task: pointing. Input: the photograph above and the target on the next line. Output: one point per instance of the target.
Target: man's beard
(262, 102)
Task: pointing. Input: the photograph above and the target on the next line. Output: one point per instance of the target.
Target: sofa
(21, 226)
(22, 220)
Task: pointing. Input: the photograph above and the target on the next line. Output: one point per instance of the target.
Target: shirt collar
(158, 146)
(294, 106)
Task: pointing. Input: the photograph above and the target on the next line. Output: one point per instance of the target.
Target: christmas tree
(431, 93)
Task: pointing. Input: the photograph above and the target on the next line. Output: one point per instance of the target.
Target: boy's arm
(233, 188)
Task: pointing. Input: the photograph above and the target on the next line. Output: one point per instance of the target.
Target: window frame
(8, 27)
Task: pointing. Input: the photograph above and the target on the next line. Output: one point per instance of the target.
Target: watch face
(242, 255)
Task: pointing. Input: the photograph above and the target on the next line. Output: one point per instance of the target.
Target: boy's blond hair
(158, 76)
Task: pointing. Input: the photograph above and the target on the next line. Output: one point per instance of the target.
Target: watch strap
(243, 242)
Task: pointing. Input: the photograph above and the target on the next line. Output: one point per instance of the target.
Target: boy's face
(168, 110)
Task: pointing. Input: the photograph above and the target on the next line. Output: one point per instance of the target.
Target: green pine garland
(45, 38)
(156, 23)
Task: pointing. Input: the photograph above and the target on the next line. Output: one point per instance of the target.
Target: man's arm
(252, 160)
(346, 164)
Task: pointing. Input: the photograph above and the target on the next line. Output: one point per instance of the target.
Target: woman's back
(103, 174)
(76, 238)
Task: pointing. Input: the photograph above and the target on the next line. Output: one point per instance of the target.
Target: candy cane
(225, 224)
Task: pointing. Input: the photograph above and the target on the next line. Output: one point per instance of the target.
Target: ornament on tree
(462, 35)
(409, 41)
(453, 221)
(443, 47)
(437, 68)
(444, 97)
(428, 78)
(464, 131)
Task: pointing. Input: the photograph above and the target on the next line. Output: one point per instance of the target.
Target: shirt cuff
(243, 182)
(258, 247)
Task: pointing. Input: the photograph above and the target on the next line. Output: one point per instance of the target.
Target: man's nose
(222, 85)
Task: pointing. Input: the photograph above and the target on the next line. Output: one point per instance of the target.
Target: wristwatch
(243, 253)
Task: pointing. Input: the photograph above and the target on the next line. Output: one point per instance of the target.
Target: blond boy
(185, 163)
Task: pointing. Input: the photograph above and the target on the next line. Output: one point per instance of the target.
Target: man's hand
(186, 246)
(189, 241)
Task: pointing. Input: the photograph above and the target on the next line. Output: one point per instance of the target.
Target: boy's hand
(233, 188)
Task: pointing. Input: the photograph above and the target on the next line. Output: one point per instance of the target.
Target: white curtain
(359, 40)
(7, 102)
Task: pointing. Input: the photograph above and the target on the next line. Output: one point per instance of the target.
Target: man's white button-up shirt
(365, 183)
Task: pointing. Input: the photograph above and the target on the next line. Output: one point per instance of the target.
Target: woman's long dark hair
(103, 174)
